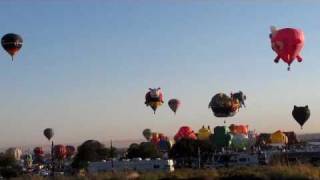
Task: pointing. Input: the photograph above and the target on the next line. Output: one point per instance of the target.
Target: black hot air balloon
(11, 43)
(174, 104)
(301, 114)
(48, 133)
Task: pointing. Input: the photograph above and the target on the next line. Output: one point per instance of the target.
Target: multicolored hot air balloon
(11, 43)
(185, 132)
(147, 133)
(223, 105)
(48, 133)
(154, 98)
(301, 114)
(38, 151)
(59, 152)
(174, 104)
(287, 43)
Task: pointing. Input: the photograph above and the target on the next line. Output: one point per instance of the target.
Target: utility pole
(111, 154)
(52, 158)
(199, 158)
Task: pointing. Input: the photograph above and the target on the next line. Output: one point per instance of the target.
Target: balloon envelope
(287, 43)
(154, 98)
(48, 133)
(38, 151)
(11, 43)
(14, 153)
(301, 114)
(174, 104)
(70, 150)
(59, 152)
(185, 132)
(223, 105)
(147, 133)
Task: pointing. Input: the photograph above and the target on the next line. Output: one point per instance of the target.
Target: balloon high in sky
(84, 68)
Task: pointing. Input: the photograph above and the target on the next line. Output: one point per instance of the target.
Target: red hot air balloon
(174, 104)
(155, 138)
(59, 152)
(185, 132)
(70, 150)
(287, 43)
(38, 151)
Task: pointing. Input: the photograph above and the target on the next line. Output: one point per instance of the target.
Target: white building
(133, 165)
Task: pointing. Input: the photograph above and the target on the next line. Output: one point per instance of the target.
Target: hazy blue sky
(85, 67)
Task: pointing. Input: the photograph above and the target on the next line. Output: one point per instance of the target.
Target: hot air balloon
(278, 138)
(174, 105)
(70, 150)
(239, 129)
(59, 152)
(287, 43)
(185, 132)
(147, 133)
(221, 137)
(38, 151)
(28, 160)
(204, 133)
(301, 114)
(240, 141)
(164, 145)
(11, 43)
(223, 105)
(155, 138)
(14, 153)
(48, 133)
(154, 98)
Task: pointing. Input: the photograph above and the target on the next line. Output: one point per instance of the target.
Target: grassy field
(268, 172)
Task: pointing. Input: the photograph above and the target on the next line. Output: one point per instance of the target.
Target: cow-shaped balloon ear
(273, 29)
(150, 89)
(307, 106)
(295, 107)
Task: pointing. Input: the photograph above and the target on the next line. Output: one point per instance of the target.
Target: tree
(143, 150)
(9, 167)
(90, 150)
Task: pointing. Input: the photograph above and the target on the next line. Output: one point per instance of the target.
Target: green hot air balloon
(147, 133)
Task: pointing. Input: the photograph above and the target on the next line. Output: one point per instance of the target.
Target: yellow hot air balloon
(278, 138)
(204, 133)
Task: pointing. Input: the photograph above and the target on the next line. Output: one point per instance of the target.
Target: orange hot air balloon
(239, 129)
(287, 43)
